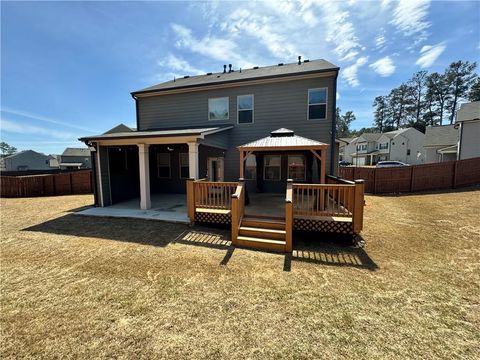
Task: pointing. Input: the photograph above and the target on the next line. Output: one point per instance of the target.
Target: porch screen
(272, 168)
(251, 167)
(163, 165)
(296, 167)
(184, 171)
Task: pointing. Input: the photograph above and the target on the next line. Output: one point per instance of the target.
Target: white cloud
(44, 119)
(178, 64)
(13, 127)
(384, 66)
(350, 72)
(430, 53)
(410, 17)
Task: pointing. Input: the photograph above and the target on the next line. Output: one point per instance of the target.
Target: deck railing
(238, 209)
(209, 195)
(343, 199)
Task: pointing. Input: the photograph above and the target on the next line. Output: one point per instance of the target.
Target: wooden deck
(335, 207)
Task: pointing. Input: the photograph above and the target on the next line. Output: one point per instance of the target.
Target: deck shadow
(330, 250)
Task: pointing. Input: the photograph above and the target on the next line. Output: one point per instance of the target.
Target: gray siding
(276, 105)
(27, 160)
(85, 160)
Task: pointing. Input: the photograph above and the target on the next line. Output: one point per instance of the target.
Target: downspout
(334, 127)
(459, 144)
(136, 111)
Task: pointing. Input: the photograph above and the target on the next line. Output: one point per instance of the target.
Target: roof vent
(224, 69)
(282, 133)
(299, 60)
(306, 60)
(280, 64)
(255, 67)
(209, 73)
(186, 76)
(230, 68)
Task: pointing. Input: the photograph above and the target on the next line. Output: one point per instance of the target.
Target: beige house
(468, 124)
(441, 143)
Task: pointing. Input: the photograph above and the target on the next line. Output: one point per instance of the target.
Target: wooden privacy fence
(446, 175)
(79, 182)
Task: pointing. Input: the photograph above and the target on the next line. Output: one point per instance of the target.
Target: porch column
(193, 160)
(144, 176)
(323, 166)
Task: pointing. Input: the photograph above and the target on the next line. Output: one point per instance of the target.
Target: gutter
(136, 110)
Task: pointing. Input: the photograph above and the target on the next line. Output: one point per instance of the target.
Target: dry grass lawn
(84, 287)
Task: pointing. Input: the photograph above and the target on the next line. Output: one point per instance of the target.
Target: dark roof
(158, 133)
(76, 152)
(119, 128)
(371, 136)
(469, 112)
(282, 138)
(256, 73)
(441, 135)
(346, 140)
(23, 152)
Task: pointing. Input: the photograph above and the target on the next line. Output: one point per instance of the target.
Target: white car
(391, 164)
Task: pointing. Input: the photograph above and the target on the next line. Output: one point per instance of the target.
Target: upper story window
(383, 146)
(218, 109)
(317, 104)
(245, 109)
(361, 147)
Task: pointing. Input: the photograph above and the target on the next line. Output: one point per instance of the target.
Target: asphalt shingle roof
(76, 152)
(312, 66)
(441, 135)
(468, 112)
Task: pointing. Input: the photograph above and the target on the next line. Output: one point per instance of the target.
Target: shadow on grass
(470, 188)
(315, 248)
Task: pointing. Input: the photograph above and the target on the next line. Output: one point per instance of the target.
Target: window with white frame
(317, 104)
(272, 167)
(296, 167)
(163, 165)
(383, 146)
(218, 109)
(251, 167)
(184, 169)
(245, 109)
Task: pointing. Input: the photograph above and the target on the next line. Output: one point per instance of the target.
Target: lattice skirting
(213, 218)
(338, 227)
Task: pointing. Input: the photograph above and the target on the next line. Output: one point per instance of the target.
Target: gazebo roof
(283, 139)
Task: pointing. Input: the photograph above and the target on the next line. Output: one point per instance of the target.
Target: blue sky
(67, 68)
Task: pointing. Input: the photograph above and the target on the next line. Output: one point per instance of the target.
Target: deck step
(264, 223)
(213, 211)
(258, 232)
(261, 243)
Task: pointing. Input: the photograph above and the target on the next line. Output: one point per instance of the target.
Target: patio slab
(165, 207)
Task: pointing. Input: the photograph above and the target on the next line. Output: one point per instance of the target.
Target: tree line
(427, 99)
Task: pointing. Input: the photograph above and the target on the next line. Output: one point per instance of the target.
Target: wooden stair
(262, 233)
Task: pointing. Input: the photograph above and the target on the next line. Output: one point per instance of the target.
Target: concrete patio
(166, 207)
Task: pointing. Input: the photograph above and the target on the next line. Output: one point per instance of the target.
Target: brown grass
(74, 286)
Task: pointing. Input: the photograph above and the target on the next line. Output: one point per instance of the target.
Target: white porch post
(193, 160)
(144, 176)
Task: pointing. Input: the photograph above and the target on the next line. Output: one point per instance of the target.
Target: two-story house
(192, 127)
(75, 158)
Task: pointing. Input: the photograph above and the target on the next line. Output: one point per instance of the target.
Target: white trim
(144, 172)
(180, 165)
(252, 109)
(193, 166)
(304, 167)
(169, 166)
(264, 166)
(99, 175)
(326, 103)
(228, 108)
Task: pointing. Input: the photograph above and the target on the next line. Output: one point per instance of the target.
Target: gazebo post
(242, 165)
(323, 166)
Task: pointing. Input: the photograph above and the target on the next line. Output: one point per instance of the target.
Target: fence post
(412, 177)
(71, 183)
(191, 199)
(358, 206)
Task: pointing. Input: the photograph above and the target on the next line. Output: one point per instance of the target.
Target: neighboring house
(75, 158)
(343, 143)
(468, 124)
(25, 160)
(441, 143)
(54, 161)
(192, 126)
(405, 145)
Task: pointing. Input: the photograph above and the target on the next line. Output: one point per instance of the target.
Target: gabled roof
(22, 153)
(76, 152)
(158, 133)
(256, 73)
(445, 135)
(347, 140)
(283, 138)
(370, 136)
(394, 133)
(119, 128)
(468, 112)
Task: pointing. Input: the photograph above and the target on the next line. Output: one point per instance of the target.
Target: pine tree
(474, 93)
(460, 77)
(438, 87)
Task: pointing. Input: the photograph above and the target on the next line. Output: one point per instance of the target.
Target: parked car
(391, 164)
(344, 163)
